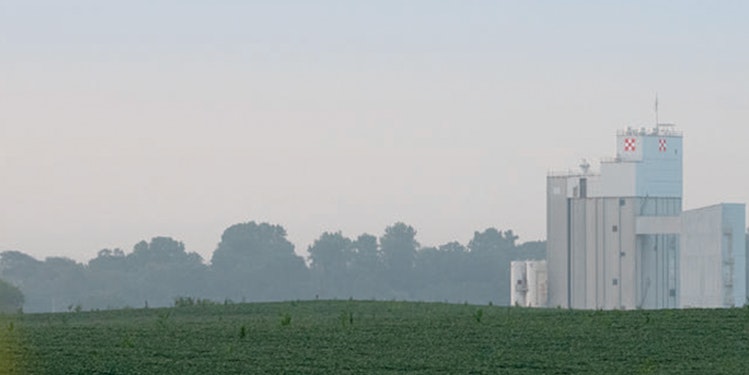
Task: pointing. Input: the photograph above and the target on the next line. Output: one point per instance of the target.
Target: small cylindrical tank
(537, 279)
(519, 286)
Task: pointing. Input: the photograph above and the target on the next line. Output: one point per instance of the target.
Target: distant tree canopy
(398, 246)
(330, 262)
(11, 298)
(256, 262)
(252, 245)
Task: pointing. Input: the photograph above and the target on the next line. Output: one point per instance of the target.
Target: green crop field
(330, 337)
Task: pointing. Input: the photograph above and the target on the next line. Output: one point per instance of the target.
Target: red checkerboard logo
(662, 145)
(629, 144)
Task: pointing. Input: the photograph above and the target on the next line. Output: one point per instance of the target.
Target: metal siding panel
(611, 250)
(657, 224)
(660, 172)
(627, 258)
(600, 254)
(734, 223)
(591, 258)
(578, 254)
(701, 258)
(618, 179)
(556, 232)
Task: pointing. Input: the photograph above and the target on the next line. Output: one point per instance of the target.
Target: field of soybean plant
(365, 337)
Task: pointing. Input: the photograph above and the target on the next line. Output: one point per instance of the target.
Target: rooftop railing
(658, 130)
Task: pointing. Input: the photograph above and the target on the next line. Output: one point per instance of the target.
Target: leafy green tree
(256, 262)
(66, 283)
(112, 283)
(163, 270)
(16, 266)
(535, 250)
(107, 258)
(331, 256)
(11, 298)
(50, 285)
(367, 268)
(153, 274)
(444, 275)
(27, 274)
(398, 246)
(492, 240)
(490, 256)
(366, 252)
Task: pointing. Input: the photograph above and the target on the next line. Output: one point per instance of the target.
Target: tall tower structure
(619, 239)
(613, 237)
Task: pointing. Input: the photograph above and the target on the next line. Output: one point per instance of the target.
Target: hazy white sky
(120, 121)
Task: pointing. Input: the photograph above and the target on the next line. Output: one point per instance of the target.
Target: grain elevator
(617, 238)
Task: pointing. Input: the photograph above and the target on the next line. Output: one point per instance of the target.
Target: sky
(122, 121)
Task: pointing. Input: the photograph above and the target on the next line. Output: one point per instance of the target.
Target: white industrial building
(618, 238)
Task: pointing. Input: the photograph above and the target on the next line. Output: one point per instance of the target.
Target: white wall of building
(713, 257)
(618, 179)
(659, 174)
(537, 276)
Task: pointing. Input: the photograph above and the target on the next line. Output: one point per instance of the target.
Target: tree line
(256, 262)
